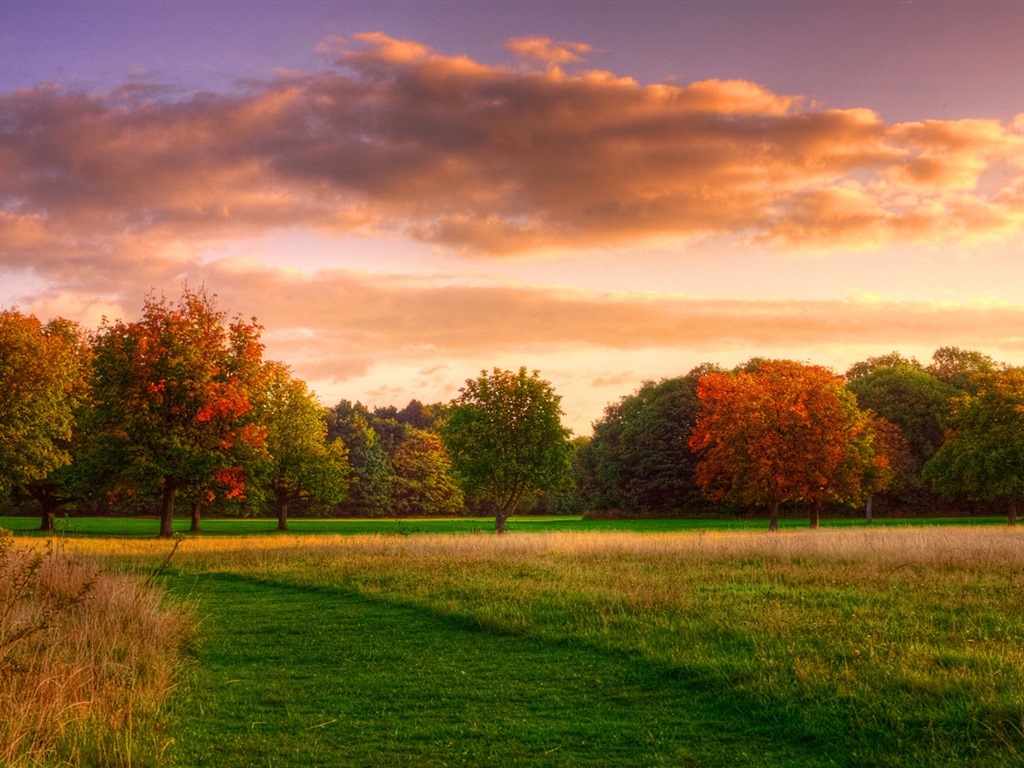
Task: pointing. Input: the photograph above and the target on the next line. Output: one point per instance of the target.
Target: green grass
(885, 647)
(147, 527)
(318, 676)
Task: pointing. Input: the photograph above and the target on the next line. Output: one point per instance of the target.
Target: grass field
(846, 647)
(144, 527)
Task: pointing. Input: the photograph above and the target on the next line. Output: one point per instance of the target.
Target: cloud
(399, 139)
(547, 50)
(338, 316)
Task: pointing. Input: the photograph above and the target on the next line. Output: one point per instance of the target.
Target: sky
(407, 193)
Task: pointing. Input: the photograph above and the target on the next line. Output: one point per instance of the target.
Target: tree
(300, 463)
(893, 464)
(959, 367)
(640, 456)
(905, 394)
(506, 439)
(373, 477)
(172, 391)
(983, 456)
(423, 482)
(780, 432)
(43, 384)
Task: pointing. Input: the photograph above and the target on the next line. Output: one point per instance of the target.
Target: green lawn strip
(317, 676)
(135, 527)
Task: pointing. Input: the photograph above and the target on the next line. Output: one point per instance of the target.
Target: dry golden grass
(968, 547)
(86, 660)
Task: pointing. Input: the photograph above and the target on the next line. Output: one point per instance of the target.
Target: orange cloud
(547, 50)
(401, 140)
(338, 316)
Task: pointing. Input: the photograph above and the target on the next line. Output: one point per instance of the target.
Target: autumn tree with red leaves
(780, 432)
(172, 393)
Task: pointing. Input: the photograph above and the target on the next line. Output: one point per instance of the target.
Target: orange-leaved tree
(779, 432)
(172, 394)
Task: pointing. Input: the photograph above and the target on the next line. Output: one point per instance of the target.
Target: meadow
(846, 646)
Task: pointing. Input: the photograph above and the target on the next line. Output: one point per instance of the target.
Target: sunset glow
(405, 194)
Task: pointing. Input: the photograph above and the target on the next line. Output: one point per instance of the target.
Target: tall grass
(86, 660)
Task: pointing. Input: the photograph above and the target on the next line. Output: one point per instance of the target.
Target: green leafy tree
(779, 431)
(959, 368)
(506, 440)
(172, 393)
(639, 458)
(423, 480)
(902, 392)
(43, 387)
(300, 464)
(373, 478)
(983, 457)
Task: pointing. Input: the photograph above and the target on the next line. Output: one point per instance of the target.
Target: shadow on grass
(315, 676)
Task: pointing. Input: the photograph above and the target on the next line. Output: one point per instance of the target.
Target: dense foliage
(781, 432)
(505, 436)
(180, 405)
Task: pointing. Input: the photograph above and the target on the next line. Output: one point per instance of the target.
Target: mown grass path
(293, 675)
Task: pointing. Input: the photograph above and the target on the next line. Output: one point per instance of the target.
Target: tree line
(179, 409)
(891, 435)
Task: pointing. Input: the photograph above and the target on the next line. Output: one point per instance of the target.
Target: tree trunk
(867, 510)
(499, 522)
(282, 515)
(773, 516)
(1012, 514)
(815, 513)
(197, 508)
(43, 493)
(167, 507)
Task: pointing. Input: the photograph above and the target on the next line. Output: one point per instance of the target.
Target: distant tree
(983, 457)
(873, 365)
(172, 391)
(43, 386)
(778, 432)
(894, 466)
(421, 416)
(506, 439)
(423, 481)
(300, 464)
(373, 479)
(905, 394)
(640, 457)
(959, 367)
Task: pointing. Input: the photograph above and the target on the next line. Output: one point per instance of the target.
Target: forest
(178, 413)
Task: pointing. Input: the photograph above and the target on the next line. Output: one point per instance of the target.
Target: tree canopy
(505, 436)
(172, 391)
(43, 370)
(299, 464)
(780, 431)
(983, 456)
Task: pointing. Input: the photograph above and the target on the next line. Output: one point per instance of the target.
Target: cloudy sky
(406, 193)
